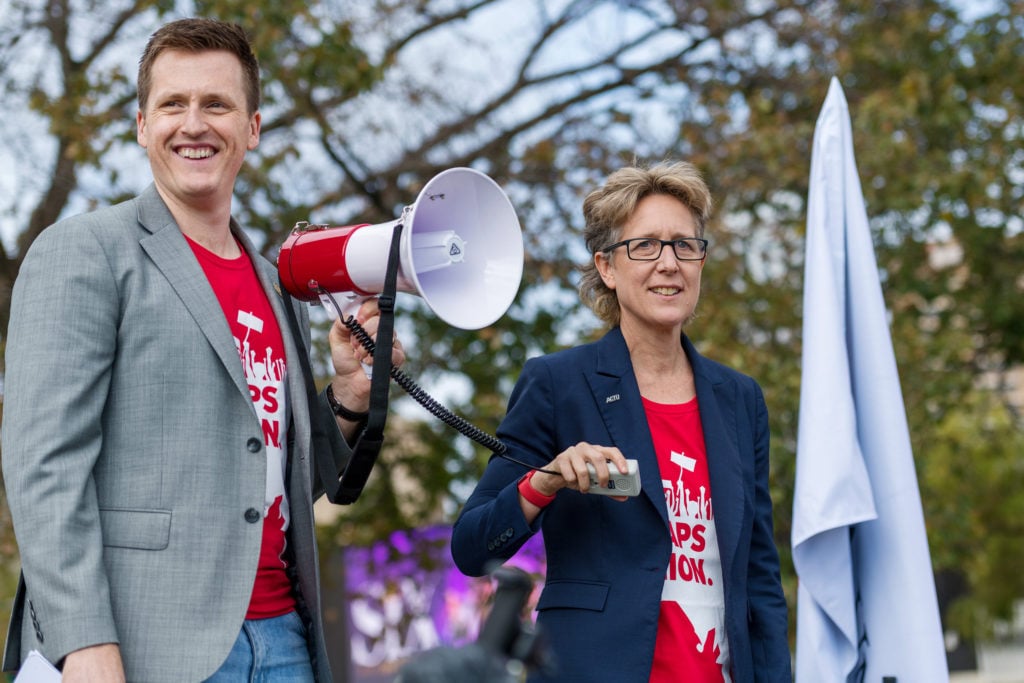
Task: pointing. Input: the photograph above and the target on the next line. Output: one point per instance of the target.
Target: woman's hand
(571, 464)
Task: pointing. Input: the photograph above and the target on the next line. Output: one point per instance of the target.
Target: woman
(679, 583)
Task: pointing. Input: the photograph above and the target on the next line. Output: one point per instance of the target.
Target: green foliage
(976, 523)
(364, 102)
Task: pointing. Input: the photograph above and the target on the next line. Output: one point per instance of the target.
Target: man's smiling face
(196, 127)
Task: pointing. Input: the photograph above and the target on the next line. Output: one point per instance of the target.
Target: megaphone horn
(461, 250)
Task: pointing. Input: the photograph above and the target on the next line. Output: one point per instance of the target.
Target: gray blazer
(132, 452)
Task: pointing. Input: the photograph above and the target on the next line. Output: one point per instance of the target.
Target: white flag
(866, 604)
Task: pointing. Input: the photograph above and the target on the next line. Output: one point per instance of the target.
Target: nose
(195, 122)
(667, 261)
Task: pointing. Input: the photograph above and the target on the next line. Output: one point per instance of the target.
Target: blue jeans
(268, 651)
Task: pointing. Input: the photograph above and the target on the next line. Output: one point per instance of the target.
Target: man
(157, 434)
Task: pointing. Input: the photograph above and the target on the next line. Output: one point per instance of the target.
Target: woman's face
(659, 295)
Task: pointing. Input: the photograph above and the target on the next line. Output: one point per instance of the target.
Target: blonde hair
(606, 210)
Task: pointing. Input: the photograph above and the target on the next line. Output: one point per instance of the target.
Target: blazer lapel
(717, 398)
(167, 247)
(617, 397)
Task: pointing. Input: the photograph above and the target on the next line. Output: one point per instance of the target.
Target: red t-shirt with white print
(691, 644)
(261, 352)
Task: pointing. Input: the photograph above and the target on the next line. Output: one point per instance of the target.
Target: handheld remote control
(618, 484)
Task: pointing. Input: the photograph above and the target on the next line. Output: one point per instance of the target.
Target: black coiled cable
(426, 400)
(460, 424)
(403, 380)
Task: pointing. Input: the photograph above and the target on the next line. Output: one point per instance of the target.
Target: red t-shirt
(691, 643)
(261, 352)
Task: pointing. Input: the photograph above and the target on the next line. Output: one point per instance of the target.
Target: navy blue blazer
(606, 560)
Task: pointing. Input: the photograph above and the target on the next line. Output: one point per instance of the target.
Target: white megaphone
(461, 249)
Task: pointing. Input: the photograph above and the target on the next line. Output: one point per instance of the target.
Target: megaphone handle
(346, 310)
(350, 303)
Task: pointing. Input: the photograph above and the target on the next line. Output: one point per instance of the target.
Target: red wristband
(531, 494)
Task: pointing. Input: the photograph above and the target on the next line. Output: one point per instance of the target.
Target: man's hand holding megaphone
(350, 385)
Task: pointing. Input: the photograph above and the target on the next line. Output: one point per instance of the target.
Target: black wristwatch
(343, 412)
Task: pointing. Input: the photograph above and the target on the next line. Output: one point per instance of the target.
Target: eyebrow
(675, 236)
(220, 96)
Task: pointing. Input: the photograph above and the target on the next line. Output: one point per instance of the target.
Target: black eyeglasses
(649, 248)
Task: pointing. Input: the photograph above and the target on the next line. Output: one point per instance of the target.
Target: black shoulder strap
(368, 446)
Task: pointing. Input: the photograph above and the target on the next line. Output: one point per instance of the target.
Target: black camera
(504, 651)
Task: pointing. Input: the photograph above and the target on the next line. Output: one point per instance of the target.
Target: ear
(254, 131)
(140, 128)
(603, 263)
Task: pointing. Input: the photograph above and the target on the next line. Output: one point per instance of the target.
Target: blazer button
(253, 445)
(252, 515)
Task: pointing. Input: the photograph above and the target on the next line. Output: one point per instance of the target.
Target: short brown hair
(606, 210)
(200, 35)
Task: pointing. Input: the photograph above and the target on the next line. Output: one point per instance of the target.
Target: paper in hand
(36, 669)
